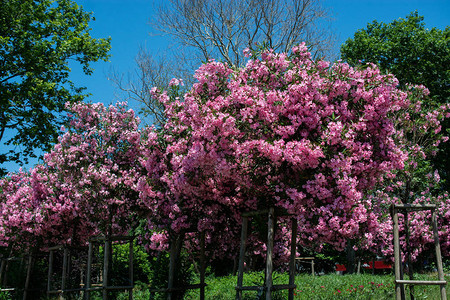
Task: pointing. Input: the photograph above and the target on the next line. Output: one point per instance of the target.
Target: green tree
(38, 38)
(414, 54)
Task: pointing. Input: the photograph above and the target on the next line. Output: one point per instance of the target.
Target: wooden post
(5, 274)
(5, 265)
(438, 254)
(171, 269)
(292, 258)
(399, 282)
(175, 250)
(27, 280)
(269, 262)
(358, 270)
(106, 267)
(399, 287)
(2, 271)
(64, 272)
(50, 272)
(87, 286)
(130, 269)
(312, 268)
(409, 257)
(240, 276)
(202, 265)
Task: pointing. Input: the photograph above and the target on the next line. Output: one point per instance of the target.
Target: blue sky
(126, 22)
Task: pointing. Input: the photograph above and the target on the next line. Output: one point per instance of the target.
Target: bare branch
(222, 29)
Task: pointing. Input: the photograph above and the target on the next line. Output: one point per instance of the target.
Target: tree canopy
(326, 143)
(37, 41)
(406, 48)
(414, 54)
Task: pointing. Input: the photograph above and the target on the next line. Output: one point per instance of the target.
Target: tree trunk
(351, 258)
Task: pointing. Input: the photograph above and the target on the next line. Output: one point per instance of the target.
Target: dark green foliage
(38, 38)
(414, 54)
(160, 274)
(141, 264)
(16, 274)
(5, 296)
(406, 48)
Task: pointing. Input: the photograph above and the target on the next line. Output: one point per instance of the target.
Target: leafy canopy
(37, 41)
(406, 48)
(414, 54)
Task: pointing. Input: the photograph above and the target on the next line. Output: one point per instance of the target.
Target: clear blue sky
(126, 22)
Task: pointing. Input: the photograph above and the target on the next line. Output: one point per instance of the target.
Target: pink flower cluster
(85, 187)
(419, 134)
(284, 131)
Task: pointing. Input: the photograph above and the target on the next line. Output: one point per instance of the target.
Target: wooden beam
(269, 258)
(202, 265)
(415, 207)
(130, 269)
(438, 254)
(240, 277)
(88, 272)
(50, 271)
(399, 287)
(422, 282)
(292, 258)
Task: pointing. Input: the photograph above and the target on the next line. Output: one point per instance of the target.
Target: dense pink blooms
(283, 131)
(86, 186)
(331, 145)
(419, 135)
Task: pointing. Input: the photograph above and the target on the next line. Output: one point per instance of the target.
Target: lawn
(363, 286)
(331, 286)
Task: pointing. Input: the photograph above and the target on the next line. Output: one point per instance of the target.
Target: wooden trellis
(64, 288)
(174, 254)
(4, 269)
(399, 281)
(306, 260)
(268, 287)
(104, 286)
(28, 260)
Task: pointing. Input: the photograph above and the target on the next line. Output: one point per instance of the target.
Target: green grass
(358, 287)
(361, 286)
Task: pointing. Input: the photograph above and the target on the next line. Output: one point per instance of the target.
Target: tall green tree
(414, 54)
(38, 38)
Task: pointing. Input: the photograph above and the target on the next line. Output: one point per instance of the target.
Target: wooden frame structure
(4, 276)
(107, 242)
(306, 260)
(174, 253)
(65, 272)
(4, 268)
(268, 287)
(399, 281)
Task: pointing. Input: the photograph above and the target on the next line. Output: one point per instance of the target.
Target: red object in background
(379, 264)
(340, 268)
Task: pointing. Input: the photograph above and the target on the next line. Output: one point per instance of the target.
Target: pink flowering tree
(34, 214)
(97, 167)
(283, 131)
(86, 186)
(419, 131)
(21, 217)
